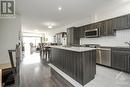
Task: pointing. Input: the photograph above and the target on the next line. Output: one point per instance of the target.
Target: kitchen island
(75, 63)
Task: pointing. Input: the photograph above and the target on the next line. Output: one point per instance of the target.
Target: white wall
(9, 30)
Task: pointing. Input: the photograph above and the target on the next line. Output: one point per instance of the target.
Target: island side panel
(89, 66)
(69, 62)
(80, 66)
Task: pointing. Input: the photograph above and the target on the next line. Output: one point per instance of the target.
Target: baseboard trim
(66, 77)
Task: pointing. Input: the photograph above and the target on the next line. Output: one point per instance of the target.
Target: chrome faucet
(128, 43)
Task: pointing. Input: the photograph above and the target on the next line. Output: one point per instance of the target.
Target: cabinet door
(118, 60)
(73, 38)
(129, 21)
(90, 26)
(87, 27)
(82, 32)
(101, 27)
(109, 28)
(128, 63)
(76, 38)
(121, 22)
(69, 37)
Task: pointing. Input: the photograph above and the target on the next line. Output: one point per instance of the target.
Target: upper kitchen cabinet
(109, 28)
(101, 27)
(105, 27)
(58, 38)
(89, 26)
(129, 21)
(73, 36)
(122, 22)
(82, 31)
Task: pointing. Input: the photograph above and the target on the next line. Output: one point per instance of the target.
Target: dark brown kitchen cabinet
(97, 25)
(129, 20)
(105, 28)
(118, 60)
(109, 28)
(121, 59)
(101, 27)
(73, 36)
(121, 22)
(82, 31)
(90, 26)
(128, 63)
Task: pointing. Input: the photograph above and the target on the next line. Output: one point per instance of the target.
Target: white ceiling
(35, 13)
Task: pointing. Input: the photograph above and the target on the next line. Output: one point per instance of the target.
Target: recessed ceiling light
(36, 30)
(59, 8)
(126, 0)
(50, 27)
(50, 24)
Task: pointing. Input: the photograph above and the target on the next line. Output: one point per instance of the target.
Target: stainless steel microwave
(92, 33)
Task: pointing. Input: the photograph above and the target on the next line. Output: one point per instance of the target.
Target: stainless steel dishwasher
(103, 56)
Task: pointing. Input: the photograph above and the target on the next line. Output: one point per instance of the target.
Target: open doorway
(31, 44)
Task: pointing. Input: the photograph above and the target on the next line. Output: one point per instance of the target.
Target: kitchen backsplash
(118, 40)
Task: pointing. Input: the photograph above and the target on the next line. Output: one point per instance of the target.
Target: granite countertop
(77, 49)
(117, 46)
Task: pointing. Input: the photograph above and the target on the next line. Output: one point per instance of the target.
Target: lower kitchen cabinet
(121, 59)
(118, 60)
(128, 63)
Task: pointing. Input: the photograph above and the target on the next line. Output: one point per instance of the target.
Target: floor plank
(35, 74)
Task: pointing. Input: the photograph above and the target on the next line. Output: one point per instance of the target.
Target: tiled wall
(118, 40)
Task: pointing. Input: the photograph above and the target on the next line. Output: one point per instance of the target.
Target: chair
(10, 76)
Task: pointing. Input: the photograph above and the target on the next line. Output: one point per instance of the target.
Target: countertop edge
(80, 49)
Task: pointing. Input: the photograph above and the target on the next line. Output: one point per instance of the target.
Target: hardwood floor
(35, 73)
